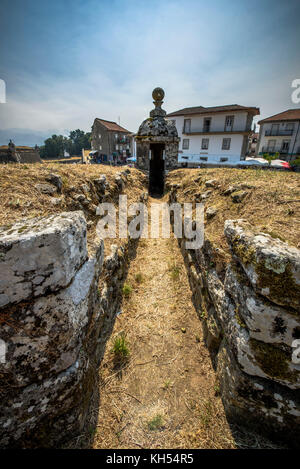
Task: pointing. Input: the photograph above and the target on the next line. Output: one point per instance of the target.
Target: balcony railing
(209, 130)
(123, 140)
(279, 133)
(282, 151)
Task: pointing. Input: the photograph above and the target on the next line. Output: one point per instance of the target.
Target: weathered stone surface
(157, 129)
(261, 405)
(265, 321)
(37, 407)
(40, 255)
(230, 190)
(44, 337)
(49, 372)
(211, 212)
(85, 188)
(120, 183)
(255, 358)
(82, 199)
(257, 320)
(205, 195)
(211, 183)
(56, 180)
(239, 196)
(56, 201)
(45, 189)
(272, 266)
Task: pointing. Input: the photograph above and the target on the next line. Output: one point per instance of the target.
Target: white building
(281, 133)
(213, 135)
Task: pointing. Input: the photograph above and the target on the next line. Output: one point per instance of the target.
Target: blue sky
(65, 62)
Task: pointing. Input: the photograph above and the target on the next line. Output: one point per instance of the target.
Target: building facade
(281, 134)
(213, 135)
(111, 140)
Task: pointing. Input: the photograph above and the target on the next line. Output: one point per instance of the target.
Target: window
(228, 123)
(271, 145)
(289, 126)
(226, 143)
(285, 145)
(185, 143)
(116, 136)
(187, 126)
(100, 136)
(206, 124)
(275, 129)
(222, 160)
(203, 158)
(204, 144)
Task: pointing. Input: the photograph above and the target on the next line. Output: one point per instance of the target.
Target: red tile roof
(110, 125)
(209, 110)
(289, 115)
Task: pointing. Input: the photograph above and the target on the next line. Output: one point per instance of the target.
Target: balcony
(279, 133)
(208, 130)
(282, 151)
(123, 140)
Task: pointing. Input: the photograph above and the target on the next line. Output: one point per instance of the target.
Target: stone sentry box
(157, 145)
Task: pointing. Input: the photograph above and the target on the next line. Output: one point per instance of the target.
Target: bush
(139, 278)
(296, 163)
(156, 423)
(127, 289)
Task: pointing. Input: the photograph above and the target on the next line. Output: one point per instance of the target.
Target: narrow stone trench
(165, 394)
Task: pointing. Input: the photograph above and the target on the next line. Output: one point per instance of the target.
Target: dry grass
(272, 202)
(20, 198)
(166, 394)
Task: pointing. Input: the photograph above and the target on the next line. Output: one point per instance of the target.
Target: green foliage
(174, 271)
(55, 146)
(127, 289)
(139, 278)
(296, 162)
(120, 347)
(270, 158)
(156, 422)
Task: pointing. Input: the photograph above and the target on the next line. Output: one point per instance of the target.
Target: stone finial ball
(158, 94)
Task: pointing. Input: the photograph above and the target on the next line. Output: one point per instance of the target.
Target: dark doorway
(157, 169)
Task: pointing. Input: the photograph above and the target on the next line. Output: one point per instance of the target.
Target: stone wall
(58, 302)
(20, 155)
(250, 313)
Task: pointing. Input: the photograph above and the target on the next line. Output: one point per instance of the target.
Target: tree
(55, 146)
(79, 140)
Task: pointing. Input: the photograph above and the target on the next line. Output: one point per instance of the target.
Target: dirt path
(164, 395)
